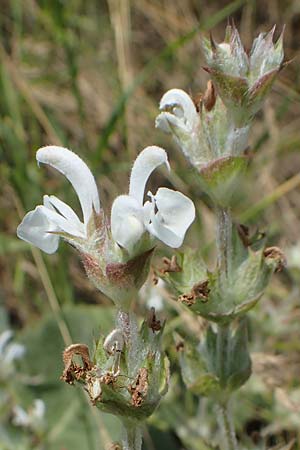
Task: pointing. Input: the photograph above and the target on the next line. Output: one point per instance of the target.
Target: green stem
(222, 355)
(127, 321)
(226, 425)
(224, 249)
(224, 240)
(132, 436)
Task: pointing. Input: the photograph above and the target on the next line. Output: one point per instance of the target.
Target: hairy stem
(222, 354)
(227, 428)
(132, 436)
(224, 249)
(127, 322)
(224, 232)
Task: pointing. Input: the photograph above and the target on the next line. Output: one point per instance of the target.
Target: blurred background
(88, 75)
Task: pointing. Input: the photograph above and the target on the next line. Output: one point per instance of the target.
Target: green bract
(120, 281)
(127, 376)
(220, 179)
(219, 297)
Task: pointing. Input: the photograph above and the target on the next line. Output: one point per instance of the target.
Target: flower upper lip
(177, 109)
(42, 226)
(77, 172)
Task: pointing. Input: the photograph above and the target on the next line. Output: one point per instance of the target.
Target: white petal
(13, 352)
(114, 341)
(164, 234)
(147, 161)
(38, 409)
(95, 389)
(5, 337)
(35, 228)
(77, 172)
(55, 204)
(169, 123)
(175, 213)
(153, 295)
(60, 224)
(180, 104)
(21, 418)
(126, 221)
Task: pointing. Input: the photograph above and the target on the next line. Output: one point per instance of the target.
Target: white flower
(202, 136)
(166, 216)
(9, 352)
(34, 418)
(44, 226)
(38, 410)
(20, 417)
(179, 112)
(180, 118)
(293, 256)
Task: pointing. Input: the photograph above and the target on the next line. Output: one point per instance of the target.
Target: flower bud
(243, 80)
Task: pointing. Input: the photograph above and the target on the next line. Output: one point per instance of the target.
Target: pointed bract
(235, 73)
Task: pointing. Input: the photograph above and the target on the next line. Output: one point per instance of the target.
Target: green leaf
(239, 361)
(195, 372)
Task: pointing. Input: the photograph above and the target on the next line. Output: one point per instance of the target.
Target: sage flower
(9, 352)
(179, 118)
(166, 216)
(33, 418)
(209, 139)
(44, 226)
(203, 136)
(116, 257)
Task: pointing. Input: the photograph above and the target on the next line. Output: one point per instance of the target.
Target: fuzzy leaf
(195, 374)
